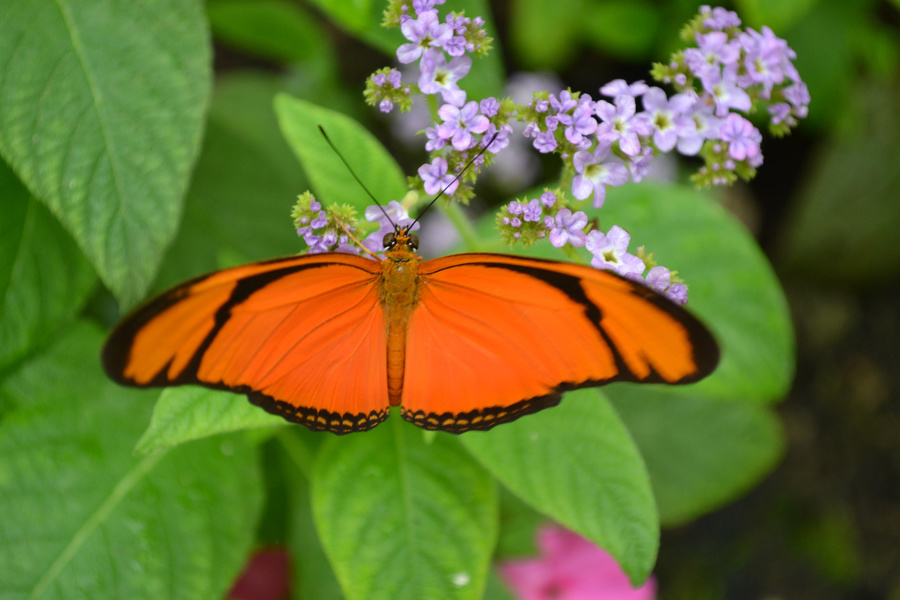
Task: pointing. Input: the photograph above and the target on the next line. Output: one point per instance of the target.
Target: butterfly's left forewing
(495, 337)
(303, 337)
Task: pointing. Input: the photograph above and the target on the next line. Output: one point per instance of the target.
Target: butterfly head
(401, 243)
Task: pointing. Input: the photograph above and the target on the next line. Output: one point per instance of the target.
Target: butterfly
(463, 342)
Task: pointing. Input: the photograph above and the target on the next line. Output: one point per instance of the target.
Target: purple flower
(435, 177)
(564, 103)
(420, 6)
(594, 175)
(719, 18)
(439, 76)
(316, 244)
(620, 124)
(667, 117)
(435, 141)
(781, 112)
(798, 95)
(545, 142)
(460, 123)
(610, 252)
(767, 58)
(321, 219)
(496, 143)
(618, 87)
(742, 137)
(489, 106)
(424, 32)
(568, 228)
(660, 279)
(385, 106)
(533, 211)
(640, 165)
(706, 126)
(345, 247)
(394, 78)
(714, 50)
(548, 199)
(580, 122)
(570, 567)
(726, 92)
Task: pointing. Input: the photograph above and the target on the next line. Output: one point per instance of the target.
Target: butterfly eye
(413, 241)
(388, 240)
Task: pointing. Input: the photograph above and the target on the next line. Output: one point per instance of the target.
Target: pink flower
(265, 577)
(570, 568)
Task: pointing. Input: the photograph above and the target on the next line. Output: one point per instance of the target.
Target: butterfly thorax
(399, 296)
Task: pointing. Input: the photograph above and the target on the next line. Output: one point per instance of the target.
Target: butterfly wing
(303, 337)
(495, 337)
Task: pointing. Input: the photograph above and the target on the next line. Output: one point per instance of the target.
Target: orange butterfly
(463, 342)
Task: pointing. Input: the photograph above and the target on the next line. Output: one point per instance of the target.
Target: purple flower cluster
(431, 41)
(529, 220)
(724, 74)
(385, 89)
(323, 230)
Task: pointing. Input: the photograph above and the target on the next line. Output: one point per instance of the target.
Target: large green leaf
(311, 570)
(84, 518)
(101, 113)
(190, 413)
(275, 29)
(402, 518)
(627, 28)
(44, 278)
(246, 181)
(700, 452)
(542, 32)
(577, 464)
(330, 180)
(362, 18)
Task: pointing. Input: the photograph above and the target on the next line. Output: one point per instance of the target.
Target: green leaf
(542, 32)
(777, 14)
(733, 288)
(577, 464)
(843, 226)
(402, 517)
(190, 413)
(274, 29)
(14, 200)
(627, 28)
(101, 113)
(44, 279)
(83, 517)
(243, 188)
(299, 121)
(701, 452)
(309, 562)
(362, 18)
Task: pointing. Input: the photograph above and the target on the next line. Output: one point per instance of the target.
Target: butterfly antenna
(460, 174)
(358, 180)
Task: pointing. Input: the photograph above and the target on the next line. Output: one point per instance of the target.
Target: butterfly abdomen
(399, 297)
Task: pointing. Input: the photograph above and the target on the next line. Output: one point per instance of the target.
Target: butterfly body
(461, 342)
(400, 295)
